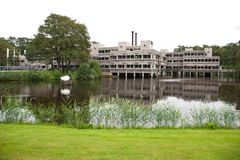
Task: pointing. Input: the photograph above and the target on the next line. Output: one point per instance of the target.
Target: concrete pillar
(117, 84)
(151, 84)
(125, 84)
(142, 82)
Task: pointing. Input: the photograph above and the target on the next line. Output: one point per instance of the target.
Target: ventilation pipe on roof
(132, 38)
(135, 39)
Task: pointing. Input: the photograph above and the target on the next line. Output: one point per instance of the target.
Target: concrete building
(142, 61)
(129, 61)
(192, 63)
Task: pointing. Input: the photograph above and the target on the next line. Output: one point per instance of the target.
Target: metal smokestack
(132, 38)
(135, 39)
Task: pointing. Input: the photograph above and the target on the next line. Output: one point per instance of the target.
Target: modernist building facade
(138, 61)
(192, 63)
(129, 61)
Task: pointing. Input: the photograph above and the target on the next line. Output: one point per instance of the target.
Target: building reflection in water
(154, 89)
(147, 90)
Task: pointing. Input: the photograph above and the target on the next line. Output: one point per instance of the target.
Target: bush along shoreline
(35, 76)
(118, 113)
(88, 71)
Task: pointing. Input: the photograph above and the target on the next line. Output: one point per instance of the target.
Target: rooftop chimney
(135, 39)
(132, 38)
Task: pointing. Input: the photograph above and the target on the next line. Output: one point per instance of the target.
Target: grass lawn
(53, 142)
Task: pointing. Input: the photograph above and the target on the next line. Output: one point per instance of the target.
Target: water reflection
(45, 93)
(146, 90)
(153, 89)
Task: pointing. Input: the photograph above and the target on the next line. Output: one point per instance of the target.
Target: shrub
(89, 71)
(34, 76)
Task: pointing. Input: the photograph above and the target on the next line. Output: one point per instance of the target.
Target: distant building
(138, 61)
(129, 61)
(35, 64)
(192, 63)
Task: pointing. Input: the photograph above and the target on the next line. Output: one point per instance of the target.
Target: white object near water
(7, 52)
(65, 91)
(65, 78)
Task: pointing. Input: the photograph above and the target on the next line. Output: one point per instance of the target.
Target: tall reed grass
(106, 112)
(13, 111)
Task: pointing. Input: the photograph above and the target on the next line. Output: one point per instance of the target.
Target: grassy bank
(43, 75)
(53, 142)
(87, 71)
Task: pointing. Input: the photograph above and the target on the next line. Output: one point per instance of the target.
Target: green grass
(22, 141)
(43, 75)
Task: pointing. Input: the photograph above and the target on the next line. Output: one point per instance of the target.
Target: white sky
(168, 23)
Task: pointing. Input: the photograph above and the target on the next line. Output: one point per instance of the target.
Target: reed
(229, 117)
(105, 112)
(13, 111)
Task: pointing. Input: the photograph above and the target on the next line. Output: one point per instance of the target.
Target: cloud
(237, 27)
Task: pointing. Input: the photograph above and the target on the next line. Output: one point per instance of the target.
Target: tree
(89, 71)
(4, 44)
(21, 43)
(63, 39)
(180, 48)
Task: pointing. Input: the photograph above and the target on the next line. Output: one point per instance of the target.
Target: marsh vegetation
(104, 112)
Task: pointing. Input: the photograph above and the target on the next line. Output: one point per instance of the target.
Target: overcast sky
(168, 23)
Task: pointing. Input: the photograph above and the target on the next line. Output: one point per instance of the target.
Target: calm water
(183, 92)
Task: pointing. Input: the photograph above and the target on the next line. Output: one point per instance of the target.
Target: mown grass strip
(54, 142)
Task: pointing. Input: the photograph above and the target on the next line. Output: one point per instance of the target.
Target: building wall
(130, 61)
(125, 60)
(192, 63)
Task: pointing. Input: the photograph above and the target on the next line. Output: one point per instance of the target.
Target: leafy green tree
(180, 48)
(63, 39)
(22, 44)
(4, 44)
(89, 71)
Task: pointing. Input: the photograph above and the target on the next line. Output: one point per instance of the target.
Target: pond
(188, 96)
(146, 90)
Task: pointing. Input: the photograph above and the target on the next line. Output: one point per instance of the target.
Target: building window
(129, 66)
(113, 57)
(146, 66)
(113, 66)
(138, 66)
(138, 56)
(146, 56)
(120, 66)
